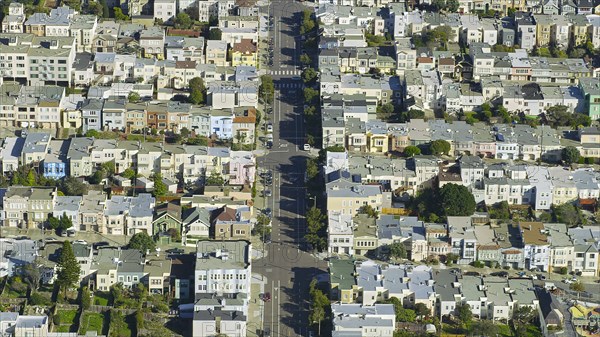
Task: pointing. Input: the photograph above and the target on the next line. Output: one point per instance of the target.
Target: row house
(30, 106)
(129, 215)
(28, 207)
(37, 59)
(13, 21)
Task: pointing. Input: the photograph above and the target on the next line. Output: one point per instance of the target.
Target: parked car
(500, 274)
(267, 212)
(567, 281)
(175, 251)
(269, 127)
(266, 297)
(267, 193)
(306, 147)
(472, 273)
(269, 144)
(81, 242)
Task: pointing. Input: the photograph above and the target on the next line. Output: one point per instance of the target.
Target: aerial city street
(287, 168)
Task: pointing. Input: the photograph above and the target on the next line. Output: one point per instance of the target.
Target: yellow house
(244, 53)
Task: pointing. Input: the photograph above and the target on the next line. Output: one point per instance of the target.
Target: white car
(269, 128)
(306, 147)
(82, 242)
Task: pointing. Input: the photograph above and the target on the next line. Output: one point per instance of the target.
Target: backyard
(101, 298)
(92, 321)
(65, 321)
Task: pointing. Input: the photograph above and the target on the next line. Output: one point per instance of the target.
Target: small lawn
(65, 321)
(92, 321)
(101, 298)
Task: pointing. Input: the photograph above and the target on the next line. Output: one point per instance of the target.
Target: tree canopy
(570, 155)
(142, 242)
(315, 235)
(457, 200)
(68, 268)
(267, 88)
(439, 146)
(183, 21)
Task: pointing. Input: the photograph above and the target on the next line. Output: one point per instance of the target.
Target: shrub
(478, 264)
(563, 270)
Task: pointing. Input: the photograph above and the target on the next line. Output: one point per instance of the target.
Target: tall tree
(522, 316)
(457, 200)
(570, 155)
(267, 88)
(68, 268)
(439, 146)
(183, 21)
(197, 91)
(142, 242)
(464, 314)
(397, 250)
(214, 34)
(160, 188)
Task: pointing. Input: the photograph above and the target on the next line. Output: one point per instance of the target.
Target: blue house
(54, 165)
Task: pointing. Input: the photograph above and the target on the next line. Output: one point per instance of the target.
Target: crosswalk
(293, 85)
(294, 72)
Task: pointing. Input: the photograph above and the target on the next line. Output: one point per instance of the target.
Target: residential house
(244, 53)
(216, 52)
(28, 207)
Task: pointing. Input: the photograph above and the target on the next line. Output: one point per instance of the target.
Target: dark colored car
(266, 297)
(472, 273)
(269, 144)
(100, 244)
(267, 212)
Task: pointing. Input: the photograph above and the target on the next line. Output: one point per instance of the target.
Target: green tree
(197, 91)
(119, 16)
(397, 250)
(464, 314)
(319, 303)
(133, 97)
(105, 10)
(129, 173)
(73, 186)
(85, 298)
(385, 109)
(64, 223)
(483, 327)
(53, 223)
(308, 24)
(411, 151)
(369, 211)
(522, 317)
(68, 268)
(577, 287)
(451, 258)
(310, 94)
(215, 34)
(315, 225)
(500, 210)
(74, 4)
(183, 21)
(160, 188)
(402, 314)
(262, 227)
(457, 200)
(439, 4)
(438, 147)
(31, 178)
(142, 242)
(452, 5)
(568, 214)
(267, 88)
(415, 114)
(95, 8)
(309, 75)
(31, 275)
(215, 179)
(312, 168)
(305, 59)
(570, 155)
(422, 310)
(184, 132)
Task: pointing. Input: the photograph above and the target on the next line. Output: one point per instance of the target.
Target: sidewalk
(256, 306)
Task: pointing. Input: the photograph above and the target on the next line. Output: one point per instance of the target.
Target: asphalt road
(287, 267)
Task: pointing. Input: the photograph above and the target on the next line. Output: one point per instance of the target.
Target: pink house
(242, 168)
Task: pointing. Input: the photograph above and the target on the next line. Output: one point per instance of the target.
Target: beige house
(216, 52)
(348, 197)
(28, 207)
